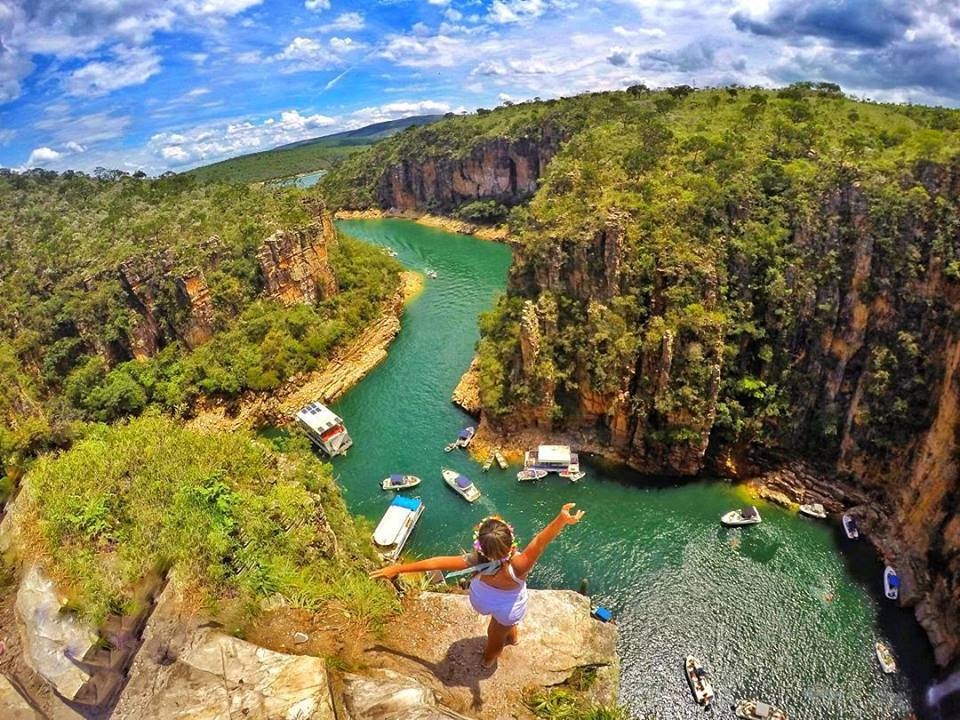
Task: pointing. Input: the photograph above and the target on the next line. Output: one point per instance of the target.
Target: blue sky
(169, 84)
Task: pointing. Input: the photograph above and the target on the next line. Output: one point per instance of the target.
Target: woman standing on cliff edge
(499, 585)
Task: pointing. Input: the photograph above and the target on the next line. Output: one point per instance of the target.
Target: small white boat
(756, 710)
(396, 526)
(891, 583)
(745, 516)
(466, 436)
(530, 474)
(501, 460)
(432, 274)
(850, 527)
(814, 510)
(449, 447)
(887, 663)
(461, 484)
(400, 482)
(571, 475)
(488, 463)
(391, 252)
(699, 682)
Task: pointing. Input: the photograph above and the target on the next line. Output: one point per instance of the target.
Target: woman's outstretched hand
(389, 572)
(569, 517)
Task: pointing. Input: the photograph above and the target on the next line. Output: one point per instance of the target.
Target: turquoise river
(787, 611)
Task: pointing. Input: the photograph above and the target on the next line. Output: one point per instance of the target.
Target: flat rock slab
(439, 640)
(13, 706)
(185, 670)
(52, 640)
(386, 695)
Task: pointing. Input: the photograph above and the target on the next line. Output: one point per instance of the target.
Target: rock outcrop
(441, 638)
(387, 695)
(188, 670)
(13, 705)
(53, 641)
(294, 264)
(498, 169)
(466, 395)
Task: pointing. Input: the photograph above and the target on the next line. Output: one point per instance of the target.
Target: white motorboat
(814, 510)
(699, 682)
(531, 474)
(400, 482)
(891, 583)
(432, 274)
(461, 484)
(744, 516)
(850, 527)
(887, 663)
(396, 526)
(466, 436)
(501, 460)
(756, 710)
(572, 476)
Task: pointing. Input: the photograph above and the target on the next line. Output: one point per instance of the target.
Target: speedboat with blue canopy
(400, 482)
(891, 583)
(461, 484)
(465, 436)
(396, 526)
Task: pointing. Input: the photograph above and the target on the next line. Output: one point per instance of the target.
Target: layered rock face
(503, 170)
(294, 264)
(860, 346)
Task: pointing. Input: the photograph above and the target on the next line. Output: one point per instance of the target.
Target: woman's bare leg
(513, 635)
(496, 639)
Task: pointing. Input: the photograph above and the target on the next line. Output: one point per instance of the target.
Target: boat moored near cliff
(891, 583)
(814, 510)
(700, 684)
(850, 527)
(324, 428)
(887, 663)
(552, 458)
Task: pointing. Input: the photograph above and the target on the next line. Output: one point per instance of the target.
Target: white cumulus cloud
(126, 67)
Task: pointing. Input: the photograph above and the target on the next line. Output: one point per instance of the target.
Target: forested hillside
(700, 272)
(119, 293)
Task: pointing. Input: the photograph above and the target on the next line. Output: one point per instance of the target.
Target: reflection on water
(787, 611)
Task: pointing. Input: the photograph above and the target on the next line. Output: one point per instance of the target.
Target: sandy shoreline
(498, 233)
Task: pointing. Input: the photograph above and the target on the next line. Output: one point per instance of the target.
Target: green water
(786, 611)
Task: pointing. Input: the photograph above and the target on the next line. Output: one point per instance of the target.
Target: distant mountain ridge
(303, 156)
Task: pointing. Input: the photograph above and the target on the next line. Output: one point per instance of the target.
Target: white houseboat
(552, 458)
(324, 428)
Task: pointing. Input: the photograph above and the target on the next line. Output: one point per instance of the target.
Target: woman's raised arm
(525, 561)
(447, 562)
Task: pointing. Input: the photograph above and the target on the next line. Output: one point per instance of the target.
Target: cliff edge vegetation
(120, 293)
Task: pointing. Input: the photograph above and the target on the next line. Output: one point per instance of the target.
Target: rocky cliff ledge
(426, 668)
(294, 264)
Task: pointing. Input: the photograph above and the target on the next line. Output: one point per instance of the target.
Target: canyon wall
(859, 353)
(498, 169)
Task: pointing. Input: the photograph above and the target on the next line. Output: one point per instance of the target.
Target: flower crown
(476, 537)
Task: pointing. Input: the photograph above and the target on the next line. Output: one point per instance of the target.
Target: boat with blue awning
(396, 526)
(461, 484)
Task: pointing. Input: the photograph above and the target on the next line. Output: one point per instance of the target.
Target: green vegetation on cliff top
(69, 325)
(733, 210)
(235, 521)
